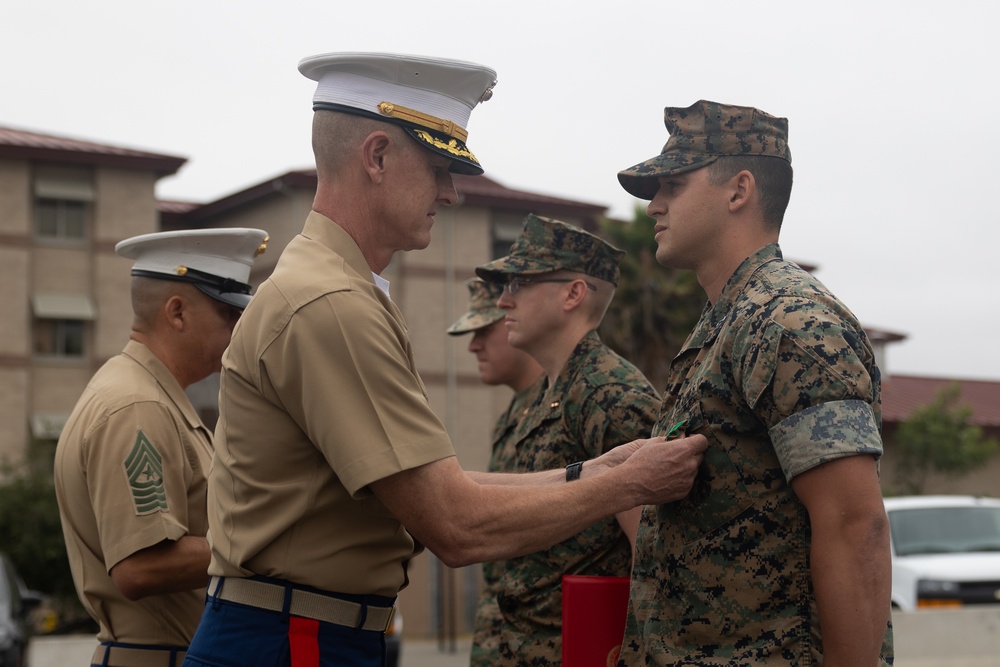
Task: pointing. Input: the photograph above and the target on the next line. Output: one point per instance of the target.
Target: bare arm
(851, 569)
(596, 466)
(167, 567)
(462, 521)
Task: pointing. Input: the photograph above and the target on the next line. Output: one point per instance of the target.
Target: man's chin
(664, 257)
(421, 242)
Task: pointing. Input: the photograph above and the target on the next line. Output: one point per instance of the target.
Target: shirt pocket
(719, 495)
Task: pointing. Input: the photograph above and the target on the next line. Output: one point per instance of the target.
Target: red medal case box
(593, 620)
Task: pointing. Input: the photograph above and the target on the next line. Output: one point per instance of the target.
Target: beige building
(63, 205)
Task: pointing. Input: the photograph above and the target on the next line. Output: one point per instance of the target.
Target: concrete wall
(956, 638)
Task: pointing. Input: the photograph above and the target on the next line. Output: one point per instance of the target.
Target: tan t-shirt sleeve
(137, 478)
(345, 372)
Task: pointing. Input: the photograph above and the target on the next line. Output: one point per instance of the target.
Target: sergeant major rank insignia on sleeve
(143, 468)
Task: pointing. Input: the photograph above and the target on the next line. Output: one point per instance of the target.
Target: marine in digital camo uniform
(331, 470)
(499, 363)
(131, 463)
(590, 400)
(780, 377)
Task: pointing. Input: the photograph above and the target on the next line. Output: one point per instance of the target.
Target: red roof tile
(902, 394)
(485, 191)
(175, 207)
(23, 144)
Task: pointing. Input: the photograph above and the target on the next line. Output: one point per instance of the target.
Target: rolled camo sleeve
(825, 432)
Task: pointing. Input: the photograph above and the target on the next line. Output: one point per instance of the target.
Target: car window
(934, 530)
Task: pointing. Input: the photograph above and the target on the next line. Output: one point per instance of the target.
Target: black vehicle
(16, 602)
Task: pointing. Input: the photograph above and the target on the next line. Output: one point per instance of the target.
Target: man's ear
(575, 294)
(175, 311)
(743, 188)
(374, 151)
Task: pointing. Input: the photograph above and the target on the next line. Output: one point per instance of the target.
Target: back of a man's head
(148, 298)
(336, 137)
(773, 178)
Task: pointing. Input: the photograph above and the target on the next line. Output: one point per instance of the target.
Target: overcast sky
(894, 113)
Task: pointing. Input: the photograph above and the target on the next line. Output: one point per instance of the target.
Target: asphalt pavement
(76, 650)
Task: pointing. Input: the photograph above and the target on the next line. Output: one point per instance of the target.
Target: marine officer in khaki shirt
(330, 466)
(131, 463)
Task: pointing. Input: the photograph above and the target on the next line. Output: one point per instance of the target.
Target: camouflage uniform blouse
(599, 401)
(780, 377)
(486, 636)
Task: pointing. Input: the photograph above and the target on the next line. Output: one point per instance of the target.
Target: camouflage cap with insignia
(430, 98)
(699, 135)
(546, 245)
(483, 310)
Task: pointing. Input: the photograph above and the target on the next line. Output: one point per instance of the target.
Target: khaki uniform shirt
(130, 472)
(780, 377)
(319, 398)
(597, 402)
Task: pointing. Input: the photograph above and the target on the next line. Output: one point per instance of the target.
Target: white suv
(945, 551)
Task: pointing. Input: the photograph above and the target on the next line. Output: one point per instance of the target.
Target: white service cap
(216, 261)
(430, 98)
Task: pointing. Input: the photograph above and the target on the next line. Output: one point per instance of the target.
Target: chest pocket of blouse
(719, 495)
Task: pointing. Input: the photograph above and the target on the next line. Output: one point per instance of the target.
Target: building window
(63, 200)
(59, 327)
(61, 219)
(59, 338)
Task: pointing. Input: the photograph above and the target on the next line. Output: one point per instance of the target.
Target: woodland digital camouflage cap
(700, 134)
(483, 310)
(550, 245)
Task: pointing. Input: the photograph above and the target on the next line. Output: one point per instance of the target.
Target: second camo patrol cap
(483, 310)
(546, 245)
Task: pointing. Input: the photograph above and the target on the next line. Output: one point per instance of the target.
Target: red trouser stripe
(302, 639)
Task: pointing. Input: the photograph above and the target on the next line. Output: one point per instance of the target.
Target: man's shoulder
(120, 392)
(602, 380)
(782, 292)
(601, 365)
(305, 271)
(121, 381)
(780, 278)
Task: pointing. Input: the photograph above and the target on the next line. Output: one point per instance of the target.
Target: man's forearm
(168, 567)
(852, 577)
(545, 478)
(596, 466)
(462, 521)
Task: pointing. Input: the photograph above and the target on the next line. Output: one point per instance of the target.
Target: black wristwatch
(573, 471)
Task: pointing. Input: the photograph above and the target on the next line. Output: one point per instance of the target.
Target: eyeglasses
(516, 282)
